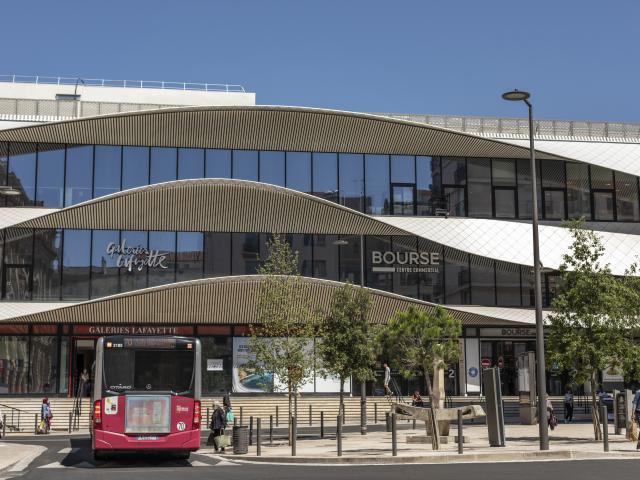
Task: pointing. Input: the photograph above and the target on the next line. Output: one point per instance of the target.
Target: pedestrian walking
(387, 379)
(416, 400)
(228, 411)
(217, 426)
(551, 417)
(46, 415)
(568, 405)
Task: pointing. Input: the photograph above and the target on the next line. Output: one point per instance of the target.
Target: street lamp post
(518, 96)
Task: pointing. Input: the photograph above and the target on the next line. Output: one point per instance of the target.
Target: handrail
(13, 425)
(103, 82)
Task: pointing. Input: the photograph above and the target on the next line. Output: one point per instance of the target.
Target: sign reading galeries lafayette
(136, 257)
(405, 262)
(131, 330)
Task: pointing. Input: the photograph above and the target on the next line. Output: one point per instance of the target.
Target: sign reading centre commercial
(136, 257)
(405, 262)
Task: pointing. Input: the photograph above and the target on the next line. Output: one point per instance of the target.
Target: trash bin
(240, 439)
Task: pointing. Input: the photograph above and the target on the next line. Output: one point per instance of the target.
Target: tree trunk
(595, 414)
(435, 431)
(341, 406)
(289, 415)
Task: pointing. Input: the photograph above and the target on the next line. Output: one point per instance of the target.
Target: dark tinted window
(272, 168)
(75, 264)
(46, 265)
(479, 187)
(454, 171)
(107, 170)
(104, 272)
(424, 185)
(245, 165)
(164, 167)
(325, 176)
(190, 163)
(135, 167)
(22, 174)
(626, 197)
(403, 169)
(351, 181)
(299, 171)
(377, 184)
(164, 244)
(50, 176)
(578, 203)
(218, 163)
(189, 256)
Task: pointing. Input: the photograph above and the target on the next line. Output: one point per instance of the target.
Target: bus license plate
(147, 437)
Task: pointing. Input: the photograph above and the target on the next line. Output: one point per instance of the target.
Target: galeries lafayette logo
(136, 257)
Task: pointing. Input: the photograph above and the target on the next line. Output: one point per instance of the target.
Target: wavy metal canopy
(267, 128)
(221, 300)
(216, 205)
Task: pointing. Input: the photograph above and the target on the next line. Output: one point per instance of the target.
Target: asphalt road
(70, 458)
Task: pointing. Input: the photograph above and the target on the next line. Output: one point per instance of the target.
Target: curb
(533, 456)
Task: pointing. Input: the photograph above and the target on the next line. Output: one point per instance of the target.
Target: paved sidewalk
(15, 457)
(572, 441)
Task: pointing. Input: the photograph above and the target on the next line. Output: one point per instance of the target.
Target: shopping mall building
(145, 209)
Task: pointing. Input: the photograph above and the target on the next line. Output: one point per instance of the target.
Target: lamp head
(516, 96)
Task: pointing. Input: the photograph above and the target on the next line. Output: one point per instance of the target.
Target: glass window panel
(376, 276)
(626, 197)
(299, 171)
(302, 245)
(22, 174)
(525, 206)
(325, 257)
(4, 165)
(75, 264)
(164, 244)
(79, 173)
(163, 164)
(106, 177)
(424, 184)
(508, 284)
(432, 281)
(456, 275)
(351, 181)
(377, 184)
(245, 253)
(105, 278)
(217, 382)
(403, 169)
(135, 167)
(528, 289)
(483, 288)
(218, 163)
(245, 165)
(133, 277)
(64, 357)
(50, 176)
(350, 259)
(272, 168)
(553, 173)
(217, 254)
(405, 283)
(43, 373)
(454, 171)
(505, 199)
(18, 246)
(578, 202)
(325, 176)
(403, 200)
(603, 206)
(601, 178)
(479, 188)
(14, 358)
(190, 163)
(504, 173)
(554, 204)
(189, 256)
(455, 201)
(46, 265)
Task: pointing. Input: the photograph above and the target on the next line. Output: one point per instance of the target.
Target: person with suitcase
(217, 426)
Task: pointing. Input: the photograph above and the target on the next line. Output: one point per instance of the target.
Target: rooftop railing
(494, 126)
(102, 82)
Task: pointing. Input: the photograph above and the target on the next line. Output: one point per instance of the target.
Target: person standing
(387, 379)
(568, 405)
(218, 424)
(46, 415)
(416, 400)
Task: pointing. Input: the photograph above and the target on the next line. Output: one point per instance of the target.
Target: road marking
(24, 463)
(53, 465)
(70, 450)
(196, 463)
(226, 463)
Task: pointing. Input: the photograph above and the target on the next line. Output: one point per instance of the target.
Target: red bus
(146, 396)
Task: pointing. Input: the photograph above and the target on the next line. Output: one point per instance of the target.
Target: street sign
(485, 362)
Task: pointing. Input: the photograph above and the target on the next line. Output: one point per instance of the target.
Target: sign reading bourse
(508, 332)
(405, 262)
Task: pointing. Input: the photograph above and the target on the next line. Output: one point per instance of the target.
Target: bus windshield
(148, 370)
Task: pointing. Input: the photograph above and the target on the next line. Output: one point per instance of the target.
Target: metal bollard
(339, 434)
(270, 429)
(294, 435)
(414, 424)
(258, 442)
(310, 415)
(605, 428)
(251, 430)
(277, 416)
(387, 419)
(241, 422)
(322, 424)
(35, 428)
(70, 420)
(4, 425)
(375, 412)
(460, 434)
(394, 437)
(207, 416)
(363, 415)
(235, 421)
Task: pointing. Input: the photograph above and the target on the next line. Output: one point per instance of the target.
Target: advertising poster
(472, 354)
(245, 378)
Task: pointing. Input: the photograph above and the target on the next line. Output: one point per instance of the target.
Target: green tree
(286, 321)
(347, 347)
(419, 341)
(594, 318)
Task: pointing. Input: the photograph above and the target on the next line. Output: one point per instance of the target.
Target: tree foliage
(595, 317)
(347, 346)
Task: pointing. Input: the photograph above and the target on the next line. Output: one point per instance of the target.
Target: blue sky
(579, 58)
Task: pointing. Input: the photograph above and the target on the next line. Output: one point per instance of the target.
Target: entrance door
(17, 282)
(83, 356)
